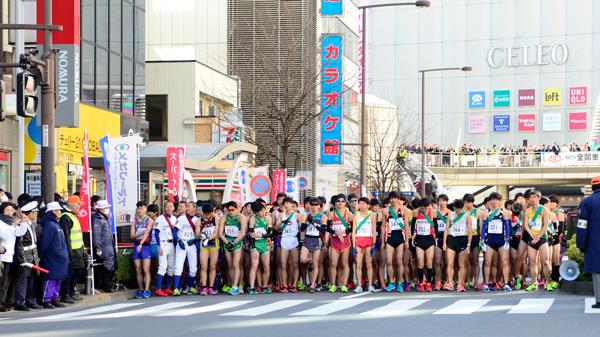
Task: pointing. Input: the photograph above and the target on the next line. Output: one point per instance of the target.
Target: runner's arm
(148, 230)
(198, 228)
(132, 229)
(243, 225)
(469, 232)
(374, 228)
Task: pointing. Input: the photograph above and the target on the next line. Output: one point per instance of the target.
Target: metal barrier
(524, 159)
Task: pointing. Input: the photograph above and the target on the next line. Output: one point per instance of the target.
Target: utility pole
(48, 70)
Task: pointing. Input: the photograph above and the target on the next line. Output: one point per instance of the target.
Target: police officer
(25, 298)
(588, 236)
(74, 237)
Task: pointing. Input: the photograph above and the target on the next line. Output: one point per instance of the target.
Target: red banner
(175, 161)
(278, 183)
(84, 191)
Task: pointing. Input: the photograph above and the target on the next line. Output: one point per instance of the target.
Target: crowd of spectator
(497, 149)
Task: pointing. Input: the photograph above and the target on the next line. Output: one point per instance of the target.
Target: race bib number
(582, 224)
(517, 229)
(441, 226)
(394, 225)
(365, 230)
(139, 232)
(209, 231)
(495, 226)
(232, 231)
(338, 227)
(261, 230)
(312, 230)
(186, 232)
(536, 226)
(422, 227)
(290, 230)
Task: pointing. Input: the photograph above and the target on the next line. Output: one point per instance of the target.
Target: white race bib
(312, 230)
(260, 230)
(338, 227)
(536, 226)
(422, 227)
(459, 229)
(209, 231)
(394, 225)
(441, 225)
(495, 226)
(232, 231)
(365, 230)
(291, 229)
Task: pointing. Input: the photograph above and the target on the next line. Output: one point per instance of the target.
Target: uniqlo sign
(578, 95)
(527, 97)
(577, 121)
(526, 122)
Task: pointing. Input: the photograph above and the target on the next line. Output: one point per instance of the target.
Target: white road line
(462, 307)
(354, 295)
(142, 311)
(89, 311)
(589, 301)
(396, 308)
(532, 306)
(328, 308)
(263, 309)
(207, 308)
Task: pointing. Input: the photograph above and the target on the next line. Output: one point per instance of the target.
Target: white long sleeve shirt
(8, 237)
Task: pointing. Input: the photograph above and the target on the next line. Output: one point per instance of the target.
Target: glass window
(127, 86)
(87, 20)
(87, 73)
(139, 31)
(102, 23)
(115, 26)
(128, 29)
(156, 115)
(102, 77)
(115, 82)
(140, 89)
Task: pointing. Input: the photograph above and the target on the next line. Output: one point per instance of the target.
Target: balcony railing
(525, 159)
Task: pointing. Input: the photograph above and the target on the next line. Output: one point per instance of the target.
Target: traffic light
(2, 101)
(27, 100)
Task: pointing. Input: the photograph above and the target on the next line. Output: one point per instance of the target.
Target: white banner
(244, 179)
(291, 188)
(124, 167)
(571, 159)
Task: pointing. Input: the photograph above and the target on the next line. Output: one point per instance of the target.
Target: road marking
(89, 311)
(462, 307)
(143, 311)
(396, 308)
(532, 306)
(207, 308)
(589, 301)
(328, 308)
(263, 309)
(355, 295)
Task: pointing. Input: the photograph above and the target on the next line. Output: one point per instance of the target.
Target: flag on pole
(84, 192)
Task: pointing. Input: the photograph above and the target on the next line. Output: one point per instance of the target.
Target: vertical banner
(332, 7)
(278, 183)
(84, 192)
(106, 157)
(124, 174)
(331, 99)
(244, 179)
(175, 168)
(292, 189)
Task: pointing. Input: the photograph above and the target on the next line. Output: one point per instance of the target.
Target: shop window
(156, 115)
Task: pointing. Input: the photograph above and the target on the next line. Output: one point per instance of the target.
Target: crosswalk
(364, 307)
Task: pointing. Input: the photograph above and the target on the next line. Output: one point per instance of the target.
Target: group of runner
(352, 243)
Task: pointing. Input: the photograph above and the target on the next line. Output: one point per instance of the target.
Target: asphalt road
(307, 315)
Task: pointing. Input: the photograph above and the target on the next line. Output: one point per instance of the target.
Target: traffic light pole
(47, 64)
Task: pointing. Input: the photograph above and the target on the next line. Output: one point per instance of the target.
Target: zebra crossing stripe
(396, 308)
(532, 306)
(589, 301)
(208, 308)
(329, 308)
(264, 309)
(89, 311)
(462, 307)
(143, 311)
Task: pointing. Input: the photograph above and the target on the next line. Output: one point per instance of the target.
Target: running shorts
(514, 242)
(212, 246)
(475, 242)
(289, 243)
(261, 246)
(338, 244)
(236, 246)
(143, 255)
(538, 244)
(457, 243)
(424, 242)
(277, 240)
(312, 243)
(494, 241)
(364, 242)
(395, 241)
(555, 239)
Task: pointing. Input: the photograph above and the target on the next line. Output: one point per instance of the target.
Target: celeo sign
(538, 55)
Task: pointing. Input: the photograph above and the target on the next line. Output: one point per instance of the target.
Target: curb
(578, 287)
(105, 298)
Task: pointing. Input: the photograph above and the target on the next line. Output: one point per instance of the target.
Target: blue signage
(331, 99)
(477, 99)
(331, 7)
(501, 123)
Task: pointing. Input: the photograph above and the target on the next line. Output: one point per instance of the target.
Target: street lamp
(363, 115)
(465, 69)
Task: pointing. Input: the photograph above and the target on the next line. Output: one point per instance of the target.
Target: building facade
(535, 78)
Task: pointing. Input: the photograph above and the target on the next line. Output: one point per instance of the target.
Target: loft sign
(538, 55)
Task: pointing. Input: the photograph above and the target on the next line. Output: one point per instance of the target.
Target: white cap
(53, 206)
(30, 207)
(102, 204)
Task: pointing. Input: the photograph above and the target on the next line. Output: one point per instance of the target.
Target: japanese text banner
(124, 172)
(331, 99)
(175, 168)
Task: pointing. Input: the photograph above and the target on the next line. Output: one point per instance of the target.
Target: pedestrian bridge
(520, 169)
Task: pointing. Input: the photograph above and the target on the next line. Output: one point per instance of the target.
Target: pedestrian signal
(27, 100)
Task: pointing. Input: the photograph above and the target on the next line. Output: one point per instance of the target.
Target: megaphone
(569, 270)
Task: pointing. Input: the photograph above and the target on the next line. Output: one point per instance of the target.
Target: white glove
(99, 253)
(484, 248)
(205, 243)
(506, 246)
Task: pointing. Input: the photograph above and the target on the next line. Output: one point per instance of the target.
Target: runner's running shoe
(428, 287)
(532, 287)
(371, 289)
(226, 288)
(293, 289)
(554, 285)
(193, 291)
(160, 293)
(138, 294)
(390, 286)
(234, 291)
(461, 288)
(177, 292)
(358, 290)
(204, 291)
(344, 289)
(253, 292)
(399, 288)
(168, 291)
(333, 288)
(518, 281)
(146, 294)
(549, 288)
(507, 287)
(485, 287)
(438, 286)
(448, 286)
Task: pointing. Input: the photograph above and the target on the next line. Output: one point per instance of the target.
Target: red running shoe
(293, 289)
(160, 293)
(168, 291)
(438, 286)
(283, 290)
(428, 287)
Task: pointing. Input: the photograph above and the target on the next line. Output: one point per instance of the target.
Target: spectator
(26, 252)
(10, 229)
(104, 246)
(71, 228)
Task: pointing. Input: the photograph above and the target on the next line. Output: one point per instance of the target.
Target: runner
(232, 229)
(209, 250)
(475, 215)
(313, 227)
(323, 256)
(185, 233)
(274, 212)
(535, 222)
(364, 235)
(457, 240)
(166, 252)
(288, 223)
(516, 231)
(496, 232)
(394, 238)
(557, 235)
(520, 265)
(379, 261)
(140, 230)
(338, 221)
(260, 228)
(424, 240)
(440, 220)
